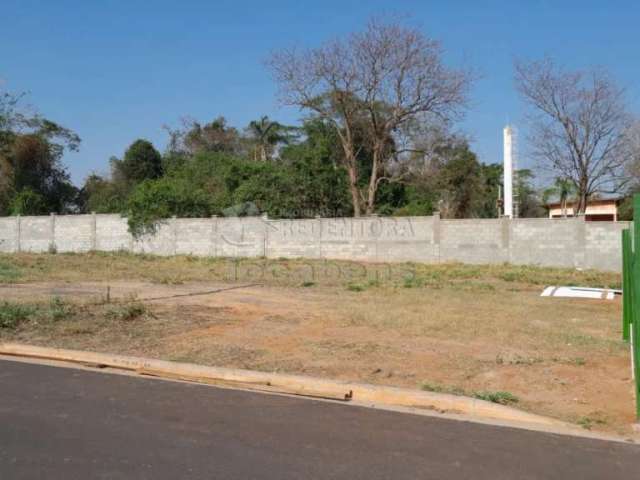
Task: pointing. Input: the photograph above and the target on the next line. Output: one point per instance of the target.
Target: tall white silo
(508, 171)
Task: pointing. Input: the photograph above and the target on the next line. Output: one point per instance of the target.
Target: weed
(510, 276)
(308, 284)
(58, 309)
(126, 311)
(52, 249)
(503, 398)
(412, 282)
(577, 361)
(170, 280)
(13, 314)
(434, 387)
(8, 272)
(473, 285)
(518, 360)
(587, 422)
(356, 287)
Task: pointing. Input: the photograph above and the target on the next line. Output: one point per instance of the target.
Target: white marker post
(508, 171)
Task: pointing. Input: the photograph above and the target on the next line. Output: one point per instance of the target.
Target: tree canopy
(32, 177)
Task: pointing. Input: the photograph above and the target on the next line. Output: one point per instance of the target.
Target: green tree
(102, 195)
(31, 149)
(529, 203)
(460, 183)
(265, 135)
(155, 200)
(28, 202)
(141, 162)
(562, 190)
(490, 206)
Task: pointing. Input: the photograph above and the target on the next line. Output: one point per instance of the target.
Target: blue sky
(114, 71)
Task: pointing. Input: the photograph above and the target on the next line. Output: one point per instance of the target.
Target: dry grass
(476, 330)
(176, 270)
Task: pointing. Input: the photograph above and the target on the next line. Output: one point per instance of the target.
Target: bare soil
(480, 331)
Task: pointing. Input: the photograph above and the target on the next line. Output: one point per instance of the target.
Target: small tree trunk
(582, 202)
(353, 188)
(373, 181)
(351, 163)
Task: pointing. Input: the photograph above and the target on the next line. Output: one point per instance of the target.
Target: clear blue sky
(114, 71)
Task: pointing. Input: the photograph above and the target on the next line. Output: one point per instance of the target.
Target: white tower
(508, 171)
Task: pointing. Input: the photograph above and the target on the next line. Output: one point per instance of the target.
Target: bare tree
(633, 166)
(193, 137)
(370, 86)
(578, 125)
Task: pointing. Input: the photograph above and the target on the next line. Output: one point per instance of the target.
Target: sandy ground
(560, 357)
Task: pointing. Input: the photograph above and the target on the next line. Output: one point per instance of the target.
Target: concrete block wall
(194, 236)
(112, 233)
(571, 243)
(73, 233)
(36, 234)
(474, 240)
(603, 249)
(539, 241)
(9, 234)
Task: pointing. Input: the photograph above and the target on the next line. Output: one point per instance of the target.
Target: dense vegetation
(214, 169)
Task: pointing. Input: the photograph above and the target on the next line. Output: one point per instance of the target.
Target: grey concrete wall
(571, 243)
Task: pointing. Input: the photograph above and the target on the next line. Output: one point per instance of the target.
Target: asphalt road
(60, 423)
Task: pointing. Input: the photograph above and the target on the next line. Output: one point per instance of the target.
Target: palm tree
(562, 189)
(266, 134)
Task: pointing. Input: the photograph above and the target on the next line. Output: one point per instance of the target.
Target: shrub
(153, 201)
(28, 202)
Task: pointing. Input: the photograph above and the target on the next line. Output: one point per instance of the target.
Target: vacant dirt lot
(463, 329)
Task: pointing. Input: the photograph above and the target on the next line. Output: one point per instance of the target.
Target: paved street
(59, 423)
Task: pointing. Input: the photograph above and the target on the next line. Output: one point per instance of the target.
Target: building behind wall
(601, 210)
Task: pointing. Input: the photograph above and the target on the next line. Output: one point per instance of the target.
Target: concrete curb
(289, 384)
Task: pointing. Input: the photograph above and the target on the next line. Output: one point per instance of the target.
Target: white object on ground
(581, 292)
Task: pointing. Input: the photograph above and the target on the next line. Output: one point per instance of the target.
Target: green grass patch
(13, 314)
(435, 387)
(126, 312)
(503, 398)
(59, 309)
(413, 282)
(356, 287)
(9, 273)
